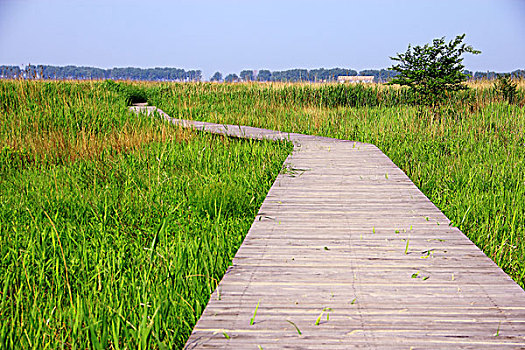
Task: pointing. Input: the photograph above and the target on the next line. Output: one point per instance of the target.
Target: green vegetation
(506, 88)
(467, 155)
(131, 93)
(177, 74)
(433, 71)
(74, 72)
(114, 228)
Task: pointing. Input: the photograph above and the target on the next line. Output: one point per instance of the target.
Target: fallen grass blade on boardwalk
(467, 156)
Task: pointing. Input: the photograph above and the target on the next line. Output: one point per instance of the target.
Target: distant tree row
(518, 73)
(330, 75)
(74, 72)
(292, 75)
(177, 74)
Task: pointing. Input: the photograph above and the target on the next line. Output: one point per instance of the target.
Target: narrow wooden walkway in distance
(346, 252)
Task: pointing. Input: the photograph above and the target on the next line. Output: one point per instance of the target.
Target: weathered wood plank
(333, 233)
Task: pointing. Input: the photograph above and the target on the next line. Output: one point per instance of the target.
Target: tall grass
(467, 156)
(114, 228)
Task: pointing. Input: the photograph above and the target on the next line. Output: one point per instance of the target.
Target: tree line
(331, 75)
(178, 74)
(297, 75)
(74, 72)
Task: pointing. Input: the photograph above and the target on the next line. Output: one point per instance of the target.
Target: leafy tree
(230, 78)
(247, 75)
(264, 75)
(434, 70)
(216, 77)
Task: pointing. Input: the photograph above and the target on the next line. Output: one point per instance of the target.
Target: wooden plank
(333, 233)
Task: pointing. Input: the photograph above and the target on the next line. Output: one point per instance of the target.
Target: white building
(355, 79)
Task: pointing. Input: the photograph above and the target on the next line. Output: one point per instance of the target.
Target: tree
(433, 71)
(230, 78)
(216, 77)
(264, 75)
(247, 75)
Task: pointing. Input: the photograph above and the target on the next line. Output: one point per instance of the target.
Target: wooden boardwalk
(345, 235)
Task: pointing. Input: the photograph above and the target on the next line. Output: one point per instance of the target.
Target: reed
(467, 156)
(114, 228)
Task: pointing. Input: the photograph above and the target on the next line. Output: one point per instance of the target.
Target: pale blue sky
(232, 35)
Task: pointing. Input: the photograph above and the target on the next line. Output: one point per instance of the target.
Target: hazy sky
(232, 35)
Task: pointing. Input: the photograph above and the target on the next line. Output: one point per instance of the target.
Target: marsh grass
(114, 228)
(467, 155)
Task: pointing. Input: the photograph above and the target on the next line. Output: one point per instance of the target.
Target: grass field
(467, 156)
(114, 229)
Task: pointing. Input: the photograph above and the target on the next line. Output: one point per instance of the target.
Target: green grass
(114, 228)
(467, 156)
